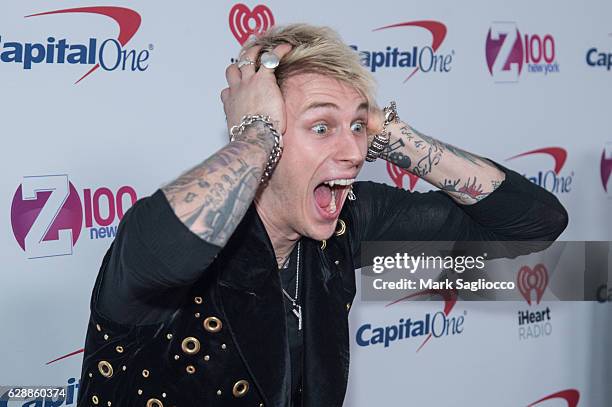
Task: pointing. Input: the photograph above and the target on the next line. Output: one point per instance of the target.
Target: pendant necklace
(296, 308)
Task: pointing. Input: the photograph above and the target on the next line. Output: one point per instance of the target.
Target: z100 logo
(109, 54)
(47, 214)
(507, 50)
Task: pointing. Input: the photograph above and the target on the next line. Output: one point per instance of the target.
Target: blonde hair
(317, 50)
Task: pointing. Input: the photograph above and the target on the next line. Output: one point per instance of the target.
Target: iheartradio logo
(245, 22)
(530, 280)
(397, 175)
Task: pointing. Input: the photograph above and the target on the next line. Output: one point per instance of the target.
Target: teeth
(332, 206)
(340, 181)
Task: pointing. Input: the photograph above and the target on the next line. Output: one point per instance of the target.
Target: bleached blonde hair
(317, 50)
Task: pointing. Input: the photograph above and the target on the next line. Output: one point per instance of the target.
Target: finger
(280, 51)
(376, 119)
(233, 75)
(250, 55)
(224, 94)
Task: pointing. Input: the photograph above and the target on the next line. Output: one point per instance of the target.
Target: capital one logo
(415, 58)
(47, 214)
(432, 325)
(110, 54)
(553, 180)
(605, 167)
(508, 52)
(570, 396)
(245, 22)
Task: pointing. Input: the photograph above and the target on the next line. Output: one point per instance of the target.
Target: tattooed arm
(211, 198)
(466, 177)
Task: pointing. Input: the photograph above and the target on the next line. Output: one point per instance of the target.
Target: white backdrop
(120, 134)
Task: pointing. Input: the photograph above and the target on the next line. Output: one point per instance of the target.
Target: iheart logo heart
(243, 22)
(571, 397)
(532, 279)
(397, 174)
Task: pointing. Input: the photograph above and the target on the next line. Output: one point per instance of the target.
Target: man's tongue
(323, 195)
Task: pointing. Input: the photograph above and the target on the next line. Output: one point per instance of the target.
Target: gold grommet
(198, 300)
(241, 387)
(154, 403)
(119, 349)
(342, 229)
(323, 244)
(145, 373)
(94, 399)
(190, 345)
(190, 369)
(213, 324)
(105, 368)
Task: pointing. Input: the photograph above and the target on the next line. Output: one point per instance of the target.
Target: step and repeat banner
(103, 102)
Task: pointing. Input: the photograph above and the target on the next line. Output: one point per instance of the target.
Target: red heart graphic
(397, 174)
(243, 22)
(529, 279)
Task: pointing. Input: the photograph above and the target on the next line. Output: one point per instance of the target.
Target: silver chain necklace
(297, 308)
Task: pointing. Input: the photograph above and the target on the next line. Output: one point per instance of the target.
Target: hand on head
(253, 91)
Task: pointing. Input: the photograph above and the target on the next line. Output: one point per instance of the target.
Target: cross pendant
(297, 311)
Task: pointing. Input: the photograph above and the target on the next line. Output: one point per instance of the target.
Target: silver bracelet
(277, 150)
(380, 141)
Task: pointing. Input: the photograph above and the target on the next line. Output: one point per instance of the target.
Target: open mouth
(329, 196)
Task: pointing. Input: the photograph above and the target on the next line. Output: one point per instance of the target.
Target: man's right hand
(254, 92)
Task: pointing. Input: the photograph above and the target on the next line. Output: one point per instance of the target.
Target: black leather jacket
(175, 322)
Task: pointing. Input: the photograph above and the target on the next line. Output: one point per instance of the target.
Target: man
(232, 284)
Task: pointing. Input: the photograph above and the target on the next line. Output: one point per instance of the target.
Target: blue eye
(357, 127)
(320, 128)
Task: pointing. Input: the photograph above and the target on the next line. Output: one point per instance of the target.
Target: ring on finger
(244, 62)
(269, 60)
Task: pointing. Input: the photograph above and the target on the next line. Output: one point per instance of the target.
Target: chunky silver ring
(269, 60)
(244, 62)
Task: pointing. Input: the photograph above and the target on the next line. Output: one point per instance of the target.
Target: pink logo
(605, 167)
(243, 22)
(504, 51)
(571, 397)
(535, 279)
(507, 51)
(128, 21)
(449, 297)
(46, 216)
(398, 174)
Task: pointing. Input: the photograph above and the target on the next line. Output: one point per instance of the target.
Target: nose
(351, 148)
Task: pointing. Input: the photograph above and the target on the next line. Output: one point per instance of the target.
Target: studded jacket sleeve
(517, 210)
(152, 260)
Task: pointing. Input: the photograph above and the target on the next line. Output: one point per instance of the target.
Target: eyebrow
(330, 105)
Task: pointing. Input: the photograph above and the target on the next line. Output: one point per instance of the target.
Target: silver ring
(269, 60)
(244, 62)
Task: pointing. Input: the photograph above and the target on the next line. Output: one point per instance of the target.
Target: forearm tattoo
(212, 198)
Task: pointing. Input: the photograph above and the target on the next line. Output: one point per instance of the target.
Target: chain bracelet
(277, 149)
